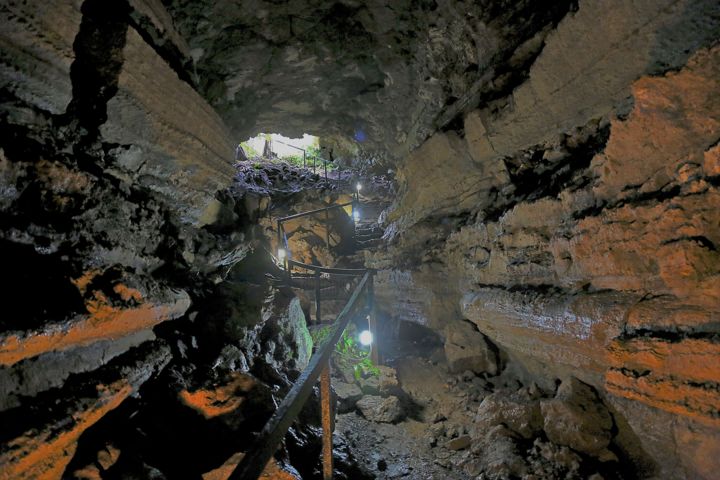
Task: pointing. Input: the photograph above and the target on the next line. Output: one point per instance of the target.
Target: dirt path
(405, 449)
(391, 450)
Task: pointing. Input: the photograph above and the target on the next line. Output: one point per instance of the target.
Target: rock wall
(110, 168)
(575, 222)
(558, 188)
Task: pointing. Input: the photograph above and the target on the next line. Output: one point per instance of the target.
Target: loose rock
(468, 349)
(577, 418)
(348, 394)
(379, 409)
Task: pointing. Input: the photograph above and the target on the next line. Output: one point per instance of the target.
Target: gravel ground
(391, 450)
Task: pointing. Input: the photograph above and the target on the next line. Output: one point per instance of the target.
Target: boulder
(519, 414)
(499, 454)
(348, 394)
(577, 418)
(388, 381)
(459, 443)
(379, 409)
(546, 459)
(370, 385)
(468, 349)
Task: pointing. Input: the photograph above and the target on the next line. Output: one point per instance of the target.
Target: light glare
(366, 337)
(281, 253)
(358, 187)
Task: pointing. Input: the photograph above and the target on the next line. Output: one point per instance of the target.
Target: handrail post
(327, 228)
(325, 164)
(304, 158)
(327, 422)
(318, 319)
(268, 439)
(372, 321)
(284, 246)
(355, 205)
(279, 235)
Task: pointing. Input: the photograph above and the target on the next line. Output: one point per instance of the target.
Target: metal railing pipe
(253, 463)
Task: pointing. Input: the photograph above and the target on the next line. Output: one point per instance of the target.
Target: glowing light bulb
(281, 253)
(358, 187)
(366, 337)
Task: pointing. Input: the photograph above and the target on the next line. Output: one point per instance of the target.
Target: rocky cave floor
(418, 420)
(441, 410)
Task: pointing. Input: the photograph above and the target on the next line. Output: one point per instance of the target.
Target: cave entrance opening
(303, 152)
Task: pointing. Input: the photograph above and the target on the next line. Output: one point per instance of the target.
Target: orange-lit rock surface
(308, 236)
(661, 246)
(272, 470)
(41, 446)
(678, 376)
(559, 189)
(45, 454)
(103, 322)
(224, 399)
(614, 277)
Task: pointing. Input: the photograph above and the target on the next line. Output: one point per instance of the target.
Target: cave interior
(515, 206)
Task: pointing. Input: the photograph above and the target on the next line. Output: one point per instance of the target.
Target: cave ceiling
(385, 73)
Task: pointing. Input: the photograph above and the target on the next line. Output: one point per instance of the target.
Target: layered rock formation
(577, 220)
(110, 168)
(556, 219)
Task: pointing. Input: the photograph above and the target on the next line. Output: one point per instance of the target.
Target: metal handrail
(337, 271)
(315, 157)
(282, 238)
(253, 464)
(312, 212)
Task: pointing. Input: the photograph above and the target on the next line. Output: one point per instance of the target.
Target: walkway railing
(361, 303)
(282, 241)
(315, 157)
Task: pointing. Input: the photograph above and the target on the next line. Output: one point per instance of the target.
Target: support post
(355, 204)
(279, 235)
(304, 159)
(327, 228)
(318, 318)
(372, 321)
(325, 165)
(327, 423)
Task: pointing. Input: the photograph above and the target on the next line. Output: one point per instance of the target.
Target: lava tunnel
(354, 239)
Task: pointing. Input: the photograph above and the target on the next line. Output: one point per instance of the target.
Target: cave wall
(558, 168)
(576, 221)
(110, 164)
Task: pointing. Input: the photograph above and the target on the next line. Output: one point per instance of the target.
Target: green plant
(296, 160)
(319, 335)
(250, 152)
(313, 152)
(350, 354)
